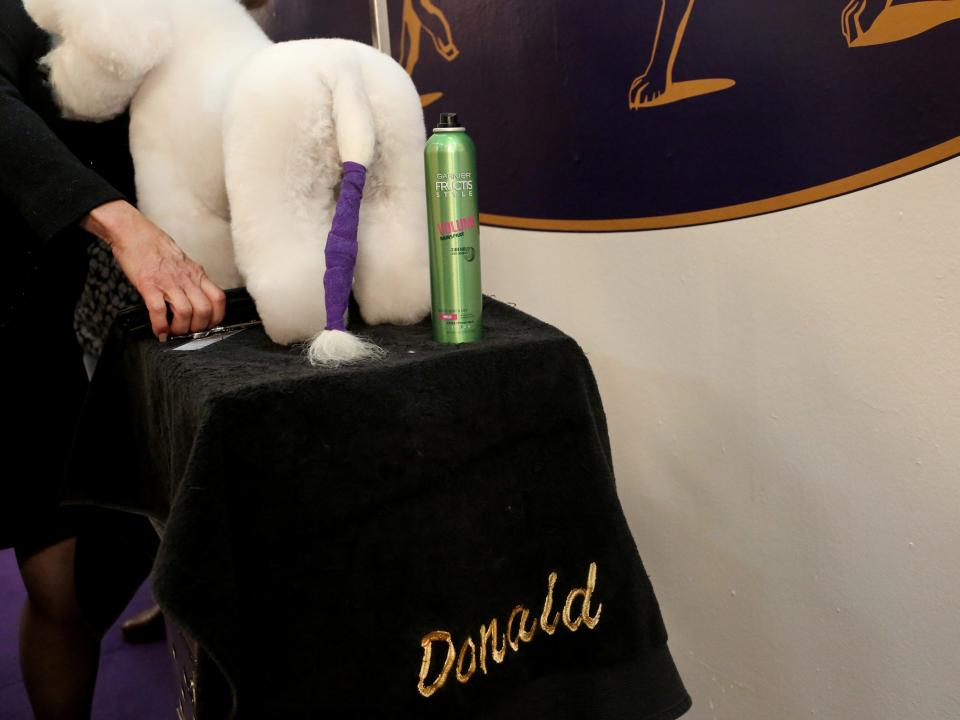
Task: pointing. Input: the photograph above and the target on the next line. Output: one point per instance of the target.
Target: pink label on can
(448, 316)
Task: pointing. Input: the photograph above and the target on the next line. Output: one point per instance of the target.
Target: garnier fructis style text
(450, 163)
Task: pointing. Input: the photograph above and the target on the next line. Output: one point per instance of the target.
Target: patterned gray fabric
(106, 292)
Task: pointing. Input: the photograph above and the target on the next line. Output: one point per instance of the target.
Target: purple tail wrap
(341, 248)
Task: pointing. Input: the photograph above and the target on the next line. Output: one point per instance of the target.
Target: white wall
(783, 394)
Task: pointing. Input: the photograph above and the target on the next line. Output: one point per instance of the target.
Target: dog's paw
(401, 298)
(646, 88)
(858, 17)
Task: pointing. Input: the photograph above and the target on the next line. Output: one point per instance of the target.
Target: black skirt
(44, 387)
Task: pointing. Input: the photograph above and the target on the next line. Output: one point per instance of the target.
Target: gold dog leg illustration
(410, 37)
(666, 44)
(878, 22)
(436, 25)
(859, 15)
(419, 18)
(656, 85)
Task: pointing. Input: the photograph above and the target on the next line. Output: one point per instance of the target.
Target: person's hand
(159, 270)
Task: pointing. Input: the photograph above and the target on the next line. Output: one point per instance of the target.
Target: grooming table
(433, 535)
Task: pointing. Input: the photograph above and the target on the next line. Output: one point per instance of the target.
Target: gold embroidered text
(519, 628)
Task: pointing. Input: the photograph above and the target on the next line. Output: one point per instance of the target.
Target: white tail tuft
(336, 347)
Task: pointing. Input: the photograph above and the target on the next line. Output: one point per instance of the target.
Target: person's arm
(49, 186)
(159, 269)
(53, 190)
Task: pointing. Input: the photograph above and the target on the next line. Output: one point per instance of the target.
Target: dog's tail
(353, 118)
(356, 140)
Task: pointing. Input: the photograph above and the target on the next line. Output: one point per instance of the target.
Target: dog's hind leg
(281, 169)
(392, 283)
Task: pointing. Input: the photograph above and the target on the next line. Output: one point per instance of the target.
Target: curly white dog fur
(238, 143)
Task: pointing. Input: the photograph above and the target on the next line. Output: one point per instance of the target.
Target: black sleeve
(50, 187)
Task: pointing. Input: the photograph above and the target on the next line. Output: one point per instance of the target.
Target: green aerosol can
(450, 164)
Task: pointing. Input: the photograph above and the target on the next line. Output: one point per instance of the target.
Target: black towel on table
(322, 527)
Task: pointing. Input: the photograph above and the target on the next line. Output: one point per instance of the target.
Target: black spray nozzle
(448, 120)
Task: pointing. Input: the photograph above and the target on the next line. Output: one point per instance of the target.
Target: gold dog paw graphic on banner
(423, 17)
(656, 85)
(878, 22)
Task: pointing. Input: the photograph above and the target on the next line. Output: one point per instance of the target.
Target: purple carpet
(135, 681)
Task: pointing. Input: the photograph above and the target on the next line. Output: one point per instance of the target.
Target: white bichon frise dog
(242, 148)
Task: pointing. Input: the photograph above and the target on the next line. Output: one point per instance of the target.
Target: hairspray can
(450, 163)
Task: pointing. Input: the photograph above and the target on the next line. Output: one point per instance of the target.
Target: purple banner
(634, 114)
